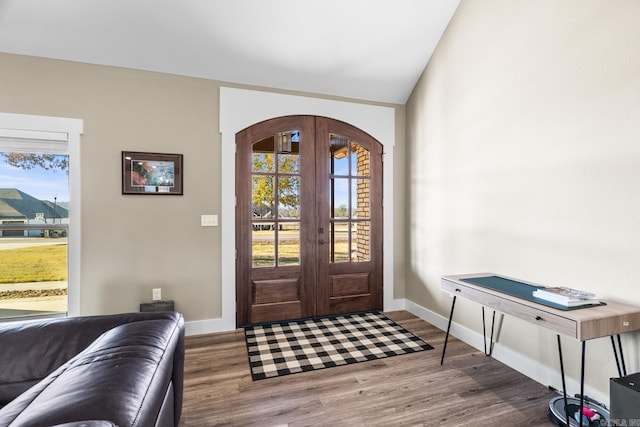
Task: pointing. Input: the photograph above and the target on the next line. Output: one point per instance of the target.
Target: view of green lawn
(263, 251)
(34, 264)
(33, 279)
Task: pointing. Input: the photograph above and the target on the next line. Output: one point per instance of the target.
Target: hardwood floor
(409, 390)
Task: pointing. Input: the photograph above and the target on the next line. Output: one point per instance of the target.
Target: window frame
(24, 128)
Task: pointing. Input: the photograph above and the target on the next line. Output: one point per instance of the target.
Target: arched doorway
(308, 219)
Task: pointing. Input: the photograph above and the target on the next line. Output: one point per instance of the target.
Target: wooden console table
(512, 297)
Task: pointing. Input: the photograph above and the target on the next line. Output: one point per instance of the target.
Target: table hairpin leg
(446, 338)
(564, 384)
(622, 369)
(484, 333)
(584, 343)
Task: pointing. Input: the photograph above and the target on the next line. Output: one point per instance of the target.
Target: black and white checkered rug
(289, 347)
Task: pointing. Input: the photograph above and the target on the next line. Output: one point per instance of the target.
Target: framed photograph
(151, 173)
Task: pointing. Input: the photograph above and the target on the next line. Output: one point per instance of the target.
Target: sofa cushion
(121, 377)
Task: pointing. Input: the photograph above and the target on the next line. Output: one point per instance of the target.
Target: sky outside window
(37, 182)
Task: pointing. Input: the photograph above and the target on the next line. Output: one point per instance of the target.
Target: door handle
(321, 242)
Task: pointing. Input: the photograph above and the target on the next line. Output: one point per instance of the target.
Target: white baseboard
(543, 374)
(395, 305)
(209, 326)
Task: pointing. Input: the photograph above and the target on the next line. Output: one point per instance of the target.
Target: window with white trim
(35, 221)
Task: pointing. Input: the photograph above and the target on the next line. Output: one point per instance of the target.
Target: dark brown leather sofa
(122, 370)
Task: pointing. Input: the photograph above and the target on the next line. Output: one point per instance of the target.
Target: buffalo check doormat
(290, 347)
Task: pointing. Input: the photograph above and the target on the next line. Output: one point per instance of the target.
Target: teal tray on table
(521, 290)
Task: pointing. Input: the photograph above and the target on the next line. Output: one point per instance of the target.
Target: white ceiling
(365, 49)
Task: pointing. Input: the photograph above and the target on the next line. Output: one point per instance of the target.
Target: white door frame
(241, 108)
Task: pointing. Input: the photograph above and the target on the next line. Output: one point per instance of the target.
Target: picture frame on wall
(151, 173)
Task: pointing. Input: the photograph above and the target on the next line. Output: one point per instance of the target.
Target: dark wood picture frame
(156, 174)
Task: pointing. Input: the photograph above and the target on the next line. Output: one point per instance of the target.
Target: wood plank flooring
(408, 390)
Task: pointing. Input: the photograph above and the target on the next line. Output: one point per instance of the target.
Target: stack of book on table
(566, 296)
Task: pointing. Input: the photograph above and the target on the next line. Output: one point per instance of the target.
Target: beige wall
(131, 244)
(523, 158)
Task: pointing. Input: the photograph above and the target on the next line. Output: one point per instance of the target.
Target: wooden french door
(308, 219)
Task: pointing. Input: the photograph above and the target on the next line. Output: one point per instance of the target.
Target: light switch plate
(209, 220)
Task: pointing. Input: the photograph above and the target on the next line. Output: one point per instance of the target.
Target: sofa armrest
(31, 350)
(124, 377)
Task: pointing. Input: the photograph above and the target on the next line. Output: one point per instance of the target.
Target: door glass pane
(359, 160)
(339, 243)
(262, 162)
(263, 156)
(289, 197)
(339, 194)
(263, 251)
(288, 163)
(289, 243)
(289, 152)
(33, 261)
(262, 197)
(339, 155)
(360, 198)
(360, 241)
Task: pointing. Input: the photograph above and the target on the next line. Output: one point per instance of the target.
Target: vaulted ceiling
(365, 49)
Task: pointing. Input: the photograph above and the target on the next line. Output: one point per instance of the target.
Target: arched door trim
(239, 108)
